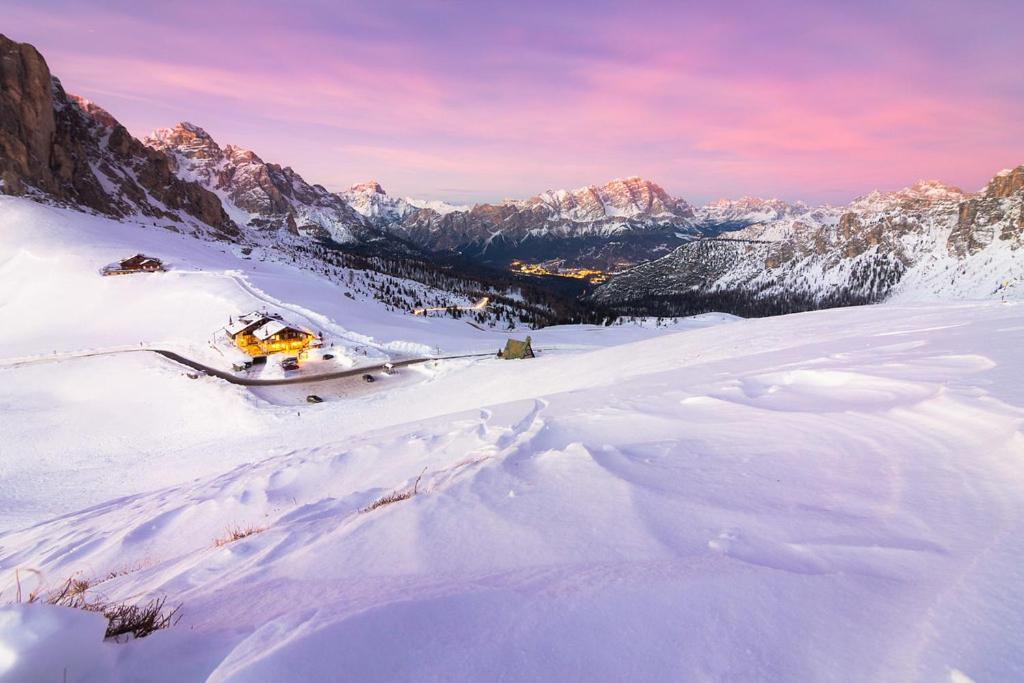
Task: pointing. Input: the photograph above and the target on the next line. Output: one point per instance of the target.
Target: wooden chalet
(140, 263)
(260, 334)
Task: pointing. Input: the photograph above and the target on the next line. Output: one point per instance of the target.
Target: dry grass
(123, 570)
(237, 533)
(123, 619)
(395, 496)
(139, 621)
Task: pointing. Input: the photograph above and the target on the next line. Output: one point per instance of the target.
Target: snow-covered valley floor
(836, 495)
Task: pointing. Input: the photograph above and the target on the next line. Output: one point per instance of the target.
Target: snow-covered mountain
(927, 240)
(622, 222)
(733, 214)
(258, 194)
(371, 201)
(63, 149)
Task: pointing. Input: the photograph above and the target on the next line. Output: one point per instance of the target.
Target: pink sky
(477, 101)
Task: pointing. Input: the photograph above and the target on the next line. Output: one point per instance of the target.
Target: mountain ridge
(62, 148)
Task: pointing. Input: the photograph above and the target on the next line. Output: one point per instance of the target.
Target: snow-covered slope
(73, 329)
(833, 495)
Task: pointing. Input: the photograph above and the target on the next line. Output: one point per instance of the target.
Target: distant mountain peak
(1006, 183)
(192, 128)
(184, 138)
(256, 193)
(94, 111)
(923, 192)
(370, 186)
(731, 214)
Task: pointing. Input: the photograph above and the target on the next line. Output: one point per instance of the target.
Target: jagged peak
(180, 133)
(922, 190)
(1006, 182)
(935, 188)
(192, 128)
(628, 182)
(748, 200)
(93, 110)
(240, 154)
(369, 187)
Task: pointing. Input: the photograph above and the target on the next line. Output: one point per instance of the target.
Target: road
(249, 382)
(478, 306)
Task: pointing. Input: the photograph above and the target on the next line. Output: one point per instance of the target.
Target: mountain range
(930, 237)
(927, 240)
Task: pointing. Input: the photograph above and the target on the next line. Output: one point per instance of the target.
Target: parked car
(313, 398)
(368, 378)
(328, 356)
(290, 363)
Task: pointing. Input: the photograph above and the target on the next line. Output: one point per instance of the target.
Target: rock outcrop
(998, 211)
(258, 194)
(72, 151)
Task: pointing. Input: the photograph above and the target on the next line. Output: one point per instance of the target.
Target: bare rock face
(1006, 184)
(998, 212)
(27, 123)
(369, 187)
(260, 195)
(60, 146)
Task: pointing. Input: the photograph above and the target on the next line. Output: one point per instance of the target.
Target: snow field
(835, 495)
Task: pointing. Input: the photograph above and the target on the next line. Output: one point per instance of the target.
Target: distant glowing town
(551, 268)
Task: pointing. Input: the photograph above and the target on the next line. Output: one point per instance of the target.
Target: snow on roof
(250, 319)
(239, 325)
(271, 328)
(268, 329)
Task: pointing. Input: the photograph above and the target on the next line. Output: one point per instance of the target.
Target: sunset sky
(477, 101)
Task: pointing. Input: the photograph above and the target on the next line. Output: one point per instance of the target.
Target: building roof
(247, 321)
(261, 325)
(273, 327)
(141, 260)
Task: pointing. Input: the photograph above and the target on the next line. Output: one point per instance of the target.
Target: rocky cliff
(257, 194)
(65, 149)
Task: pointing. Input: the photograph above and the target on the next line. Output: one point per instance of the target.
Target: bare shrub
(395, 496)
(237, 533)
(140, 620)
(123, 619)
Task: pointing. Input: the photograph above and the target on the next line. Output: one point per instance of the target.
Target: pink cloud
(814, 100)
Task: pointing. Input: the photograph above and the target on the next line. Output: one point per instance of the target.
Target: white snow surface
(438, 205)
(836, 495)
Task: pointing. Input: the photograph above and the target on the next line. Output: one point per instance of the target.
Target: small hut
(517, 349)
(140, 263)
